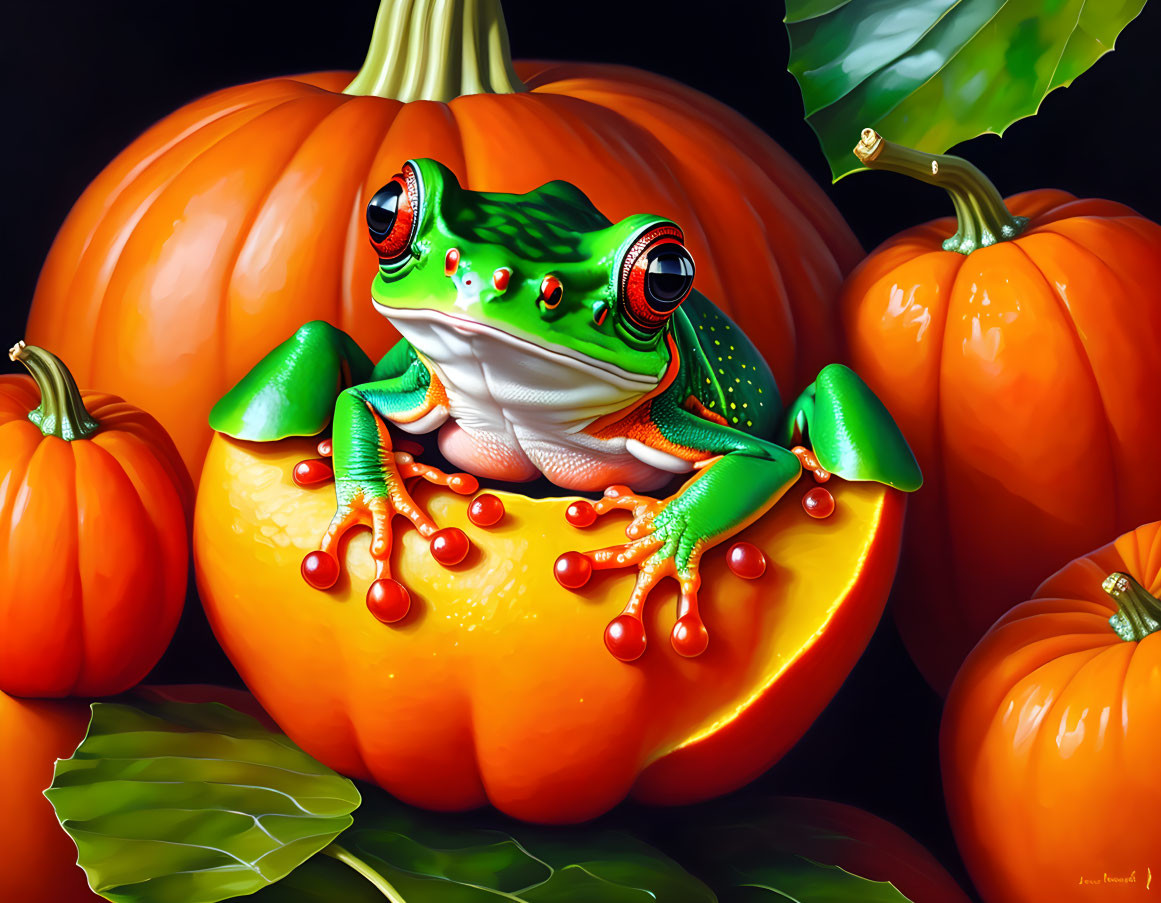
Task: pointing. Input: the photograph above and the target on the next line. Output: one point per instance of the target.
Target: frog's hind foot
(654, 548)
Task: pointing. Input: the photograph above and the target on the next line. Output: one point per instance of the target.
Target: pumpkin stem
(437, 50)
(983, 217)
(1138, 610)
(62, 412)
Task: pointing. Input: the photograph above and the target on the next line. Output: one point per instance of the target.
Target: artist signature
(1131, 878)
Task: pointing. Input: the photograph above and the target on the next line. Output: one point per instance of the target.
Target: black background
(83, 79)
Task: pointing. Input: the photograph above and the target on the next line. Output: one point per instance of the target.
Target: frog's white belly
(517, 410)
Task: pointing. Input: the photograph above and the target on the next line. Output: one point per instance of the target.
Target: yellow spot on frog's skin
(749, 423)
(717, 342)
(759, 391)
(713, 329)
(733, 406)
(737, 379)
(708, 381)
(729, 388)
(699, 326)
(720, 370)
(731, 348)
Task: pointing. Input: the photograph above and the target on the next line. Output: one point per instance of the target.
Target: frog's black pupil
(668, 276)
(383, 207)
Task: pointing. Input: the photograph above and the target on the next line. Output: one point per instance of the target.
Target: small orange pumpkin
(1051, 732)
(94, 507)
(1018, 359)
(238, 218)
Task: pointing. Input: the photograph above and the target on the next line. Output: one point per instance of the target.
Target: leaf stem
(346, 857)
(983, 217)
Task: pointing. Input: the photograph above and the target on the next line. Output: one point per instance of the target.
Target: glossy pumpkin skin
(93, 577)
(37, 858)
(1050, 737)
(239, 217)
(1018, 374)
(497, 686)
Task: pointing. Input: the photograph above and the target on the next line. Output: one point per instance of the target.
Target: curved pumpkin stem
(984, 218)
(1138, 610)
(62, 412)
(437, 50)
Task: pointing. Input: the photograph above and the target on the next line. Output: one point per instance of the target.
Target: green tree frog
(541, 339)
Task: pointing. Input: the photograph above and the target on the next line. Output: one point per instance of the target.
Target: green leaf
(177, 803)
(932, 73)
(751, 851)
(785, 877)
(423, 857)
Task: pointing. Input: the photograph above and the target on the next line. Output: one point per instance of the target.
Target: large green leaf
(179, 803)
(426, 858)
(932, 73)
(801, 880)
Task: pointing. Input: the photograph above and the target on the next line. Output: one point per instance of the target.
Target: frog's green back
(724, 370)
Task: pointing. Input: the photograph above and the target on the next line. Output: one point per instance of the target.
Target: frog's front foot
(374, 503)
(662, 543)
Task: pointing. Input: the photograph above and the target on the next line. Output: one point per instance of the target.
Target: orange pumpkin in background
(240, 217)
(1017, 359)
(1051, 731)
(95, 506)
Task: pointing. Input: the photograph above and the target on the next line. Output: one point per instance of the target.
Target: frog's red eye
(392, 215)
(656, 276)
(551, 291)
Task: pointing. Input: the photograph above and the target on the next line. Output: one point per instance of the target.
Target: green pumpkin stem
(1138, 610)
(983, 217)
(437, 50)
(62, 412)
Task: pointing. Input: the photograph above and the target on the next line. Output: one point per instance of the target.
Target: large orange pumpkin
(38, 860)
(1051, 732)
(95, 506)
(497, 686)
(239, 217)
(1019, 373)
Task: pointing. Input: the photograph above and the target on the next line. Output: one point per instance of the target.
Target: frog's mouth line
(626, 379)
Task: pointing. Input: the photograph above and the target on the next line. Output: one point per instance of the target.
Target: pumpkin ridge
(1090, 369)
(136, 172)
(243, 237)
(1087, 659)
(161, 150)
(74, 557)
(939, 444)
(1152, 560)
(162, 562)
(103, 307)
